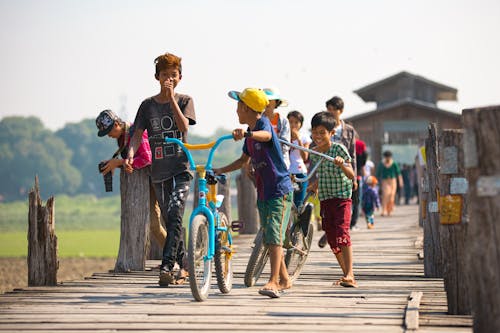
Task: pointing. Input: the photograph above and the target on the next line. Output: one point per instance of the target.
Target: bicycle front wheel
(257, 261)
(222, 258)
(200, 269)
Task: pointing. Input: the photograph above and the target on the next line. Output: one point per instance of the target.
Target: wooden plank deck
(386, 264)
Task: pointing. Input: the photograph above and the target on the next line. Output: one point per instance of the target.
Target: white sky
(67, 60)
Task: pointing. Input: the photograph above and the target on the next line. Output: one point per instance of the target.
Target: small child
(335, 189)
(298, 157)
(280, 124)
(370, 200)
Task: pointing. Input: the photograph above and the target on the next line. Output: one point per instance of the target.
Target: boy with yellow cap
(274, 187)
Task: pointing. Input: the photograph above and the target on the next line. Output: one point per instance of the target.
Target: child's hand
(338, 161)
(238, 134)
(217, 171)
(294, 135)
(169, 89)
(128, 168)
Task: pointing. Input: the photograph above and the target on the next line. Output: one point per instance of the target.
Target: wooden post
(432, 245)
(423, 191)
(482, 164)
(247, 204)
(224, 189)
(453, 218)
(42, 240)
(134, 190)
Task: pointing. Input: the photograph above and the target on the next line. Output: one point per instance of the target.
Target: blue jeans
(300, 194)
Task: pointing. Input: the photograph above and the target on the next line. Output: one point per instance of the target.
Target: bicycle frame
(207, 201)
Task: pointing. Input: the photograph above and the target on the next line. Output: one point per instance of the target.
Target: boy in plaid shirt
(334, 184)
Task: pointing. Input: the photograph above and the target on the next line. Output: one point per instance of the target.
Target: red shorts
(336, 221)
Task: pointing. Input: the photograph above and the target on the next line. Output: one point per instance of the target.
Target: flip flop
(270, 293)
(348, 283)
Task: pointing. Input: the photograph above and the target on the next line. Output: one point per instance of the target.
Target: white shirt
(296, 162)
(369, 166)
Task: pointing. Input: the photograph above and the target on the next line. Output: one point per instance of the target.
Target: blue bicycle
(209, 229)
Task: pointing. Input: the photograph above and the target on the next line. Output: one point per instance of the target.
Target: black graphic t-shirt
(158, 119)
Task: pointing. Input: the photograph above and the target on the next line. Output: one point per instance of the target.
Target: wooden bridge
(388, 269)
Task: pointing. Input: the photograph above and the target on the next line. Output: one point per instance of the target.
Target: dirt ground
(14, 271)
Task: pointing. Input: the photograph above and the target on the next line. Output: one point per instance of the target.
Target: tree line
(65, 160)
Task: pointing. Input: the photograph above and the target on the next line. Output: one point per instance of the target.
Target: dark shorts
(336, 220)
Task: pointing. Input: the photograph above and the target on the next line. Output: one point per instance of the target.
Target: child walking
(167, 114)
(274, 187)
(334, 185)
(370, 200)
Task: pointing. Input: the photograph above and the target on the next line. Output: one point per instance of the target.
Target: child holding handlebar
(274, 187)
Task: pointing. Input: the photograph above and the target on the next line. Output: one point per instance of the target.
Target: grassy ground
(82, 212)
(77, 243)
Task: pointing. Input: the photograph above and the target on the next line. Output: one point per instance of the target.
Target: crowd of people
(350, 184)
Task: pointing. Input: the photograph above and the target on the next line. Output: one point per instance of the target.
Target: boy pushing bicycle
(274, 187)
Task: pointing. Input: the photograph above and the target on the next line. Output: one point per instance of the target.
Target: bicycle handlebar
(212, 146)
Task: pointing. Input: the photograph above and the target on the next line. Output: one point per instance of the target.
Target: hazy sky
(67, 60)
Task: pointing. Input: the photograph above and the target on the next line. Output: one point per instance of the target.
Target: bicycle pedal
(237, 225)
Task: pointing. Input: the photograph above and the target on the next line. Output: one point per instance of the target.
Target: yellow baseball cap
(254, 98)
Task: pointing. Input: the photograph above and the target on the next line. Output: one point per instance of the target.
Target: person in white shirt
(298, 157)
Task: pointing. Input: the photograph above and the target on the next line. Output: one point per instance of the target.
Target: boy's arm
(236, 165)
(348, 170)
(181, 121)
(261, 136)
(135, 142)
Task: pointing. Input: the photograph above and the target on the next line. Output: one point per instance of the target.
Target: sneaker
(166, 278)
(355, 228)
(322, 241)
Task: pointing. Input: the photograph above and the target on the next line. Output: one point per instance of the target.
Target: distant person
(361, 156)
(280, 124)
(345, 135)
(390, 179)
(274, 187)
(406, 175)
(168, 114)
(298, 157)
(111, 125)
(370, 201)
(334, 186)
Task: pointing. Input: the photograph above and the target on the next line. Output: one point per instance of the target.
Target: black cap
(105, 121)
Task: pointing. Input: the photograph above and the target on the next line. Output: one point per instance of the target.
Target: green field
(77, 243)
(82, 212)
(86, 226)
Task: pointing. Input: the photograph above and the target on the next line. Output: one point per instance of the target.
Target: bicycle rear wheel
(296, 256)
(257, 261)
(222, 258)
(200, 269)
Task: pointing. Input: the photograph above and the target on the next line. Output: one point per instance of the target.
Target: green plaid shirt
(333, 183)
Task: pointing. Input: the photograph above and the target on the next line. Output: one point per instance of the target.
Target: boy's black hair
(297, 115)
(325, 119)
(336, 102)
(387, 153)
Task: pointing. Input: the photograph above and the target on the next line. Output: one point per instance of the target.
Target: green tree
(27, 149)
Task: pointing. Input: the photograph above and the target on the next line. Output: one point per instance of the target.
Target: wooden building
(405, 104)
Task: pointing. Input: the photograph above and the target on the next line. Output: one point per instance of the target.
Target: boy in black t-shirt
(168, 114)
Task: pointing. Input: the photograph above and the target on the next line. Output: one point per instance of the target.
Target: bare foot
(271, 286)
(284, 285)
